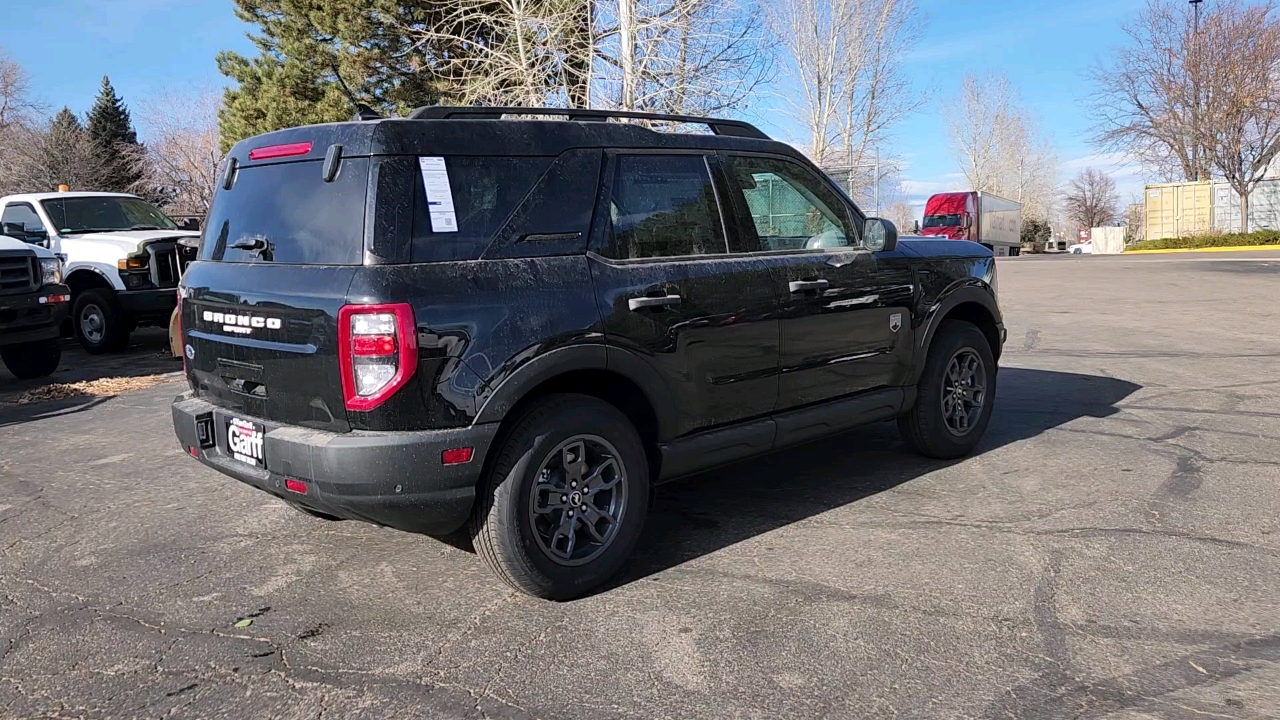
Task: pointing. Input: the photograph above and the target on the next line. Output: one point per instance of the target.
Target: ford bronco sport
(473, 316)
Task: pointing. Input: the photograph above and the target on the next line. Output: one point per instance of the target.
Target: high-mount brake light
(279, 151)
(377, 352)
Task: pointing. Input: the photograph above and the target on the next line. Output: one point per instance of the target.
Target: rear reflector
(295, 486)
(279, 151)
(194, 453)
(373, 345)
(457, 456)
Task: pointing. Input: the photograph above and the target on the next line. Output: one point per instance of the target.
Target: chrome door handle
(800, 286)
(640, 303)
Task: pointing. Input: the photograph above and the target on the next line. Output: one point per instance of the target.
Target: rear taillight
(377, 351)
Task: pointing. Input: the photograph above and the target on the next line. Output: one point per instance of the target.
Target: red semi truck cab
(975, 216)
(950, 215)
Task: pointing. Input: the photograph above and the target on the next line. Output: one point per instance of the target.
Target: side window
(664, 206)
(790, 208)
(22, 214)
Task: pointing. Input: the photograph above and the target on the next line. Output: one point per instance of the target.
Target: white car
(1084, 248)
(123, 258)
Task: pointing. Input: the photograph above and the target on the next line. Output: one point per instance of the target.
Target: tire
(927, 427)
(32, 360)
(99, 323)
(531, 550)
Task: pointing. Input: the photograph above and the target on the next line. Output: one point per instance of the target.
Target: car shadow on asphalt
(710, 511)
(147, 355)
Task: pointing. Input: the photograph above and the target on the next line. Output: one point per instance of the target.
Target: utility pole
(1195, 86)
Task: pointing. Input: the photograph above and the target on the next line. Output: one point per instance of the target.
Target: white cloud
(1117, 165)
(922, 187)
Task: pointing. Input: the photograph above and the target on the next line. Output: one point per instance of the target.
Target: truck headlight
(50, 271)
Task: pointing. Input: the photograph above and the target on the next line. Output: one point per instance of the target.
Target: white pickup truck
(123, 258)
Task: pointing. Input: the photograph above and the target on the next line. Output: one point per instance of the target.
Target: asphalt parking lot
(1112, 552)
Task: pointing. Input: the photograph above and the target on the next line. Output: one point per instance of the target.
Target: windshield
(941, 221)
(105, 214)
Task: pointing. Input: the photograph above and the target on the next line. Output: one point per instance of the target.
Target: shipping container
(1264, 207)
(1179, 209)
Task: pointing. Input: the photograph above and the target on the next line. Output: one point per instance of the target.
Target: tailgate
(262, 339)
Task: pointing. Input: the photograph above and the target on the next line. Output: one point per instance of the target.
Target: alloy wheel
(579, 499)
(964, 392)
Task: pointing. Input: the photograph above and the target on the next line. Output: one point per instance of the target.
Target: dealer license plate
(245, 440)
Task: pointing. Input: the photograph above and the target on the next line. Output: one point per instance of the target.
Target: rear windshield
(287, 213)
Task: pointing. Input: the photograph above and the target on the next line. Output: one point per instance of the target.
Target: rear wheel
(99, 323)
(955, 395)
(565, 498)
(32, 360)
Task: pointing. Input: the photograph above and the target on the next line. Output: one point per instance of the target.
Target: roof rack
(735, 128)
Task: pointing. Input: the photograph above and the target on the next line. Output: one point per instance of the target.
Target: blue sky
(1045, 47)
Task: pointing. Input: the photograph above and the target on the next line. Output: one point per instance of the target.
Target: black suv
(477, 317)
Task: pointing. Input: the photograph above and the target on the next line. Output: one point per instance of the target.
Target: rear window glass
(486, 190)
(288, 214)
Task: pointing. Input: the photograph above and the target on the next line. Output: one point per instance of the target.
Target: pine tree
(112, 130)
(318, 58)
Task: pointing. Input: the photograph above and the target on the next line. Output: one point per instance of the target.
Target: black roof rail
(735, 128)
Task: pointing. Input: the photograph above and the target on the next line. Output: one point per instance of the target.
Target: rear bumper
(24, 319)
(388, 478)
(157, 303)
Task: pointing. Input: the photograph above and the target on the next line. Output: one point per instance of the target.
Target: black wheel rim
(579, 499)
(964, 392)
(93, 324)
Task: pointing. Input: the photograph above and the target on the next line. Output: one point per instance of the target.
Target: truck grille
(17, 274)
(168, 262)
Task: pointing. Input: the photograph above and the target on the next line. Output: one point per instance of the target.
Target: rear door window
(664, 206)
(485, 191)
(287, 214)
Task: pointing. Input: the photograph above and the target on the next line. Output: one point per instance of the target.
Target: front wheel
(99, 322)
(32, 360)
(955, 395)
(564, 500)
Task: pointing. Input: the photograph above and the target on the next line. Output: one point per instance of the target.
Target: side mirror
(880, 235)
(968, 221)
(15, 230)
(190, 224)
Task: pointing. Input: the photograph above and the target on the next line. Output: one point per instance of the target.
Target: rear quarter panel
(479, 324)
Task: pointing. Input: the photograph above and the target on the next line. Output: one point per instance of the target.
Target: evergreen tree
(112, 130)
(318, 58)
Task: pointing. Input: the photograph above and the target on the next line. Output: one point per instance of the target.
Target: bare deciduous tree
(1240, 128)
(902, 215)
(180, 159)
(1151, 97)
(1092, 200)
(1000, 147)
(679, 56)
(39, 158)
(16, 105)
(843, 55)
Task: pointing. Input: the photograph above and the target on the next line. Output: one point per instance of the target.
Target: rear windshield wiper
(258, 246)
(145, 227)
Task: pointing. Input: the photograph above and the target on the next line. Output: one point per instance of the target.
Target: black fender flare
(512, 389)
(969, 290)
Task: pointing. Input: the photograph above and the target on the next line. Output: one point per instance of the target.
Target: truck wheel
(564, 498)
(32, 360)
(955, 395)
(99, 322)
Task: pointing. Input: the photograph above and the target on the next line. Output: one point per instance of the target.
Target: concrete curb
(1237, 248)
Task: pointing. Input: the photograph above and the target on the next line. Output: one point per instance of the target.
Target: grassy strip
(1261, 237)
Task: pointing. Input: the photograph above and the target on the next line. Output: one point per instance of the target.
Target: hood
(129, 240)
(12, 243)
